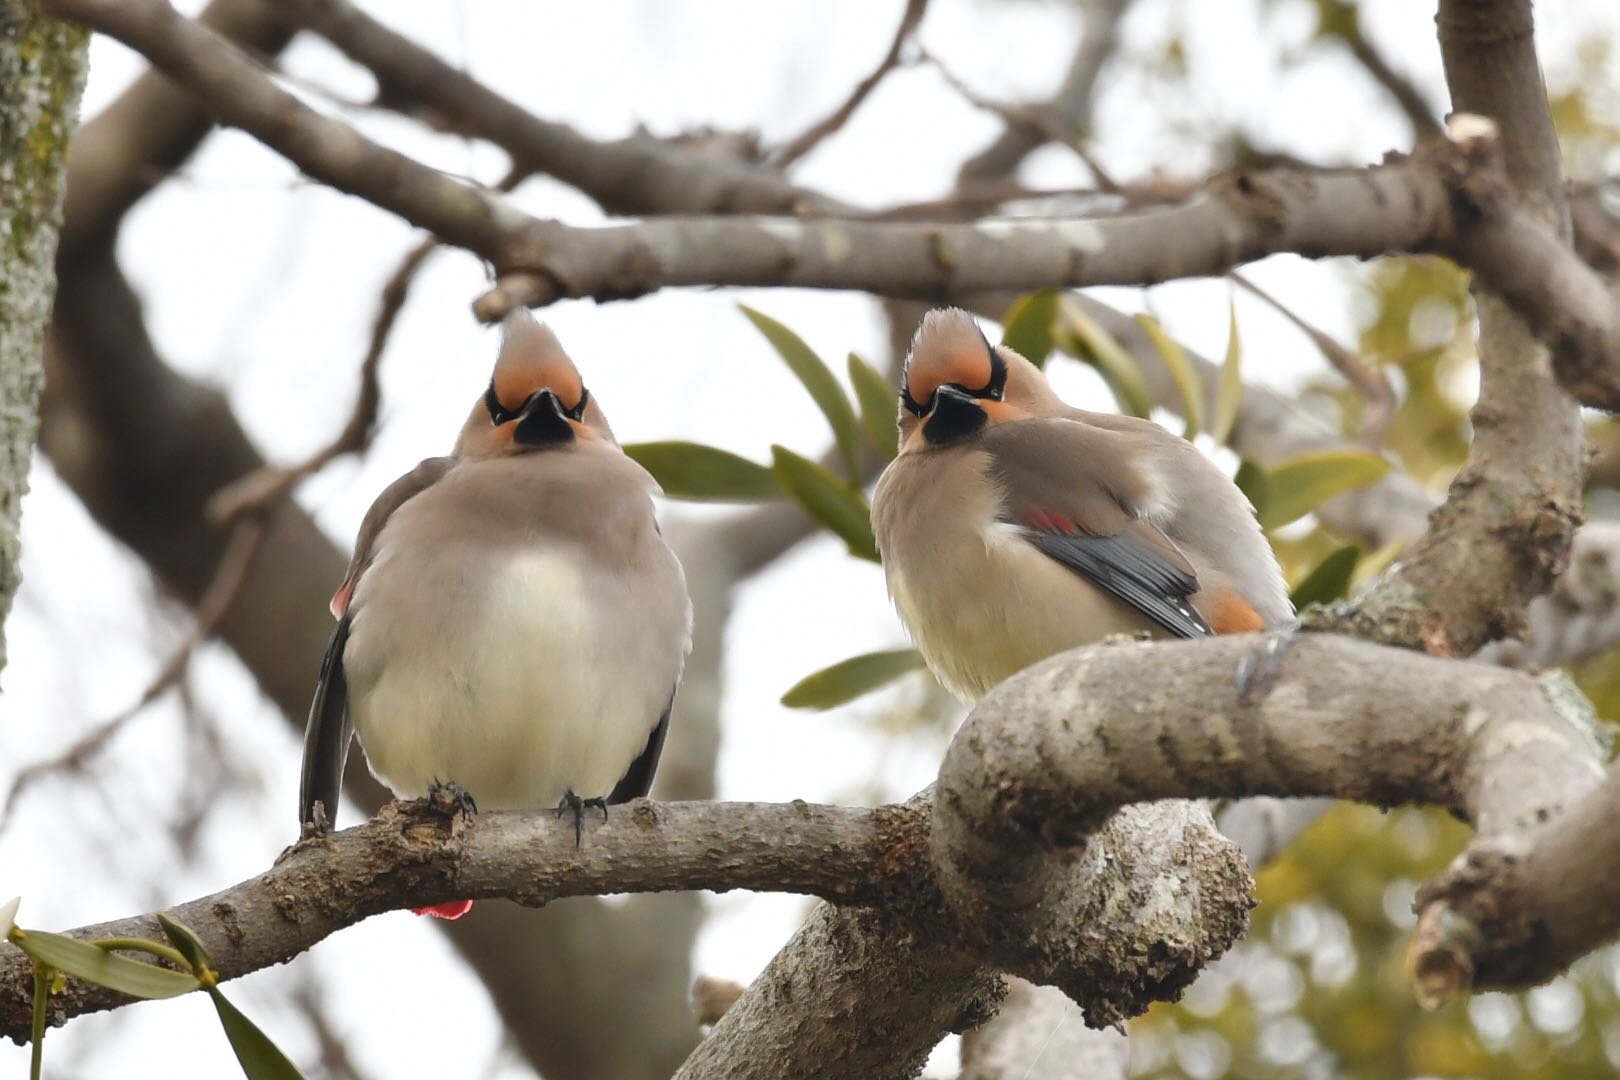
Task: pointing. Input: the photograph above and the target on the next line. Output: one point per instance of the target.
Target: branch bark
(1445, 201)
(1023, 861)
(1504, 532)
(42, 69)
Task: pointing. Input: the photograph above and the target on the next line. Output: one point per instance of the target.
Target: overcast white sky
(266, 286)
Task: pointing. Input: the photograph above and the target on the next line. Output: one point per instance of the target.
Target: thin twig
(809, 139)
(1347, 28)
(1369, 381)
(240, 551)
(1035, 119)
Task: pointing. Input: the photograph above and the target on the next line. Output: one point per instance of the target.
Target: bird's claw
(1257, 672)
(573, 802)
(449, 797)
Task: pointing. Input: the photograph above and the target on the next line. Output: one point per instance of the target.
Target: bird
(513, 625)
(1013, 527)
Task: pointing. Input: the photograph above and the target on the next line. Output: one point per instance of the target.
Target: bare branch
(1041, 765)
(1346, 27)
(1502, 536)
(1070, 106)
(812, 136)
(1514, 911)
(637, 175)
(240, 551)
(143, 136)
(1370, 382)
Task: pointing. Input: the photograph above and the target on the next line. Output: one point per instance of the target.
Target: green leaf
(1329, 581)
(260, 1058)
(849, 679)
(688, 470)
(827, 500)
(1229, 390)
(189, 944)
(1091, 343)
(818, 379)
(1030, 326)
(1188, 385)
(1302, 483)
(83, 960)
(1251, 480)
(880, 406)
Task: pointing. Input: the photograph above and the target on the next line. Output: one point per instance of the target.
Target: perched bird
(1013, 527)
(512, 625)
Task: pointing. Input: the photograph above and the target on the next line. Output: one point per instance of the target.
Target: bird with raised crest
(512, 626)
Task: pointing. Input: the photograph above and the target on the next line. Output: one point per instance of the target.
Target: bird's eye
(912, 405)
(498, 413)
(578, 411)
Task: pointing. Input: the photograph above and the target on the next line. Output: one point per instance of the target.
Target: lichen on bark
(42, 69)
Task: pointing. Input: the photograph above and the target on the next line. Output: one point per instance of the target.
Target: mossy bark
(42, 68)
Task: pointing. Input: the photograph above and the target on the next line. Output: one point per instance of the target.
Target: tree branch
(1443, 202)
(812, 136)
(151, 129)
(1503, 535)
(1040, 767)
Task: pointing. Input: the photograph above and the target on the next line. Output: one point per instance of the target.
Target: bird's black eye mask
(994, 390)
(500, 414)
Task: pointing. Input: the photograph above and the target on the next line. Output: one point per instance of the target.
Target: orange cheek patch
(1229, 613)
(1000, 412)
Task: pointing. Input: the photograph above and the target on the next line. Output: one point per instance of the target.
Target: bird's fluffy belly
(1017, 608)
(517, 694)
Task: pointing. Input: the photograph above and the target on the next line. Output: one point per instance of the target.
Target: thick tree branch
(1443, 202)
(1040, 768)
(42, 68)
(1517, 910)
(1503, 535)
(141, 138)
(636, 175)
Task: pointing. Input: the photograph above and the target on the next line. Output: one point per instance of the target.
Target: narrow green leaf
(1302, 483)
(1329, 581)
(818, 379)
(260, 1058)
(1188, 385)
(1091, 343)
(1229, 390)
(189, 944)
(880, 406)
(1030, 326)
(1251, 480)
(827, 500)
(83, 960)
(688, 470)
(849, 679)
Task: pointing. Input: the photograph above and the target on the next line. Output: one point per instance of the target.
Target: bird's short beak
(542, 421)
(956, 414)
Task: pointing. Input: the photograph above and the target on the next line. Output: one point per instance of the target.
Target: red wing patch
(1050, 521)
(340, 599)
(450, 909)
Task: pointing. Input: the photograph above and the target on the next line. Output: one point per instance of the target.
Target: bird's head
(536, 399)
(956, 384)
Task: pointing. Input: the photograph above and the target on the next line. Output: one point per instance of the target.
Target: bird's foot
(450, 798)
(572, 802)
(1257, 672)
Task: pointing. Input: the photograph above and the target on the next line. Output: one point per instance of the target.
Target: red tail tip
(450, 909)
